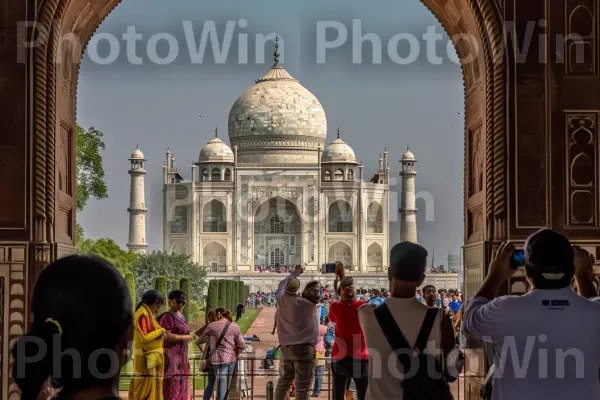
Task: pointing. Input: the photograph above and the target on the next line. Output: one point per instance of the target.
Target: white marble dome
(216, 151)
(137, 155)
(275, 116)
(338, 151)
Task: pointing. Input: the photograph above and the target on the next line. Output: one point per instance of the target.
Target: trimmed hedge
(160, 284)
(186, 286)
(212, 299)
(241, 291)
(130, 282)
(247, 292)
(231, 295)
(222, 293)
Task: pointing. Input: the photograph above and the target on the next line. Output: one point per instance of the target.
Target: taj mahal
(277, 196)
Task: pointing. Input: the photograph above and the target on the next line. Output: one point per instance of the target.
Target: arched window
(215, 174)
(277, 225)
(351, 175)
(204, 175)
(340, 217)
(227, 174)
(375, 218)
(374, 256)
(215, 257)
(214, 217)
(341, 252)
(327, 175)
(339, 175)
(277, 257)
(179, 223)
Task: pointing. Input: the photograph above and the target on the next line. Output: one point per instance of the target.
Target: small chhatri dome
(216, 151)
(137, 154)
(338, 151)
(408, 155)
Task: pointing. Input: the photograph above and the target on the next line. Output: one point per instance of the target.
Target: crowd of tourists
(276, 269)
(395, 348)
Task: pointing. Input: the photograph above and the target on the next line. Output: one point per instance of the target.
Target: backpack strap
(426, 327)
(393, 334)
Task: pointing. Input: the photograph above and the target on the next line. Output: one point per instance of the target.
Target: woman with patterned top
(224, 356)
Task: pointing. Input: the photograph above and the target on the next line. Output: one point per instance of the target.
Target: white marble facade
(278, 195)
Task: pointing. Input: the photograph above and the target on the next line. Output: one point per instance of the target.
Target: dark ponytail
(80, 305)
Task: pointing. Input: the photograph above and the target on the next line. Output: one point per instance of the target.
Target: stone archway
(520, 122)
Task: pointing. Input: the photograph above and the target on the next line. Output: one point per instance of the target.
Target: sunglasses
(180, 302)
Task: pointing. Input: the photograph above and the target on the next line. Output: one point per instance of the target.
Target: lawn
(194, 353)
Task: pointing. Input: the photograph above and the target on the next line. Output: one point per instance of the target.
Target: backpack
(418, 384)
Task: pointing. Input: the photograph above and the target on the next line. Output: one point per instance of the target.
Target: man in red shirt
(350, 356)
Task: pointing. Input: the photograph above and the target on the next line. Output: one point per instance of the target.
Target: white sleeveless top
(384, 368)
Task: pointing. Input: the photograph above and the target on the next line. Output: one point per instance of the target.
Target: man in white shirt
(406, 273)
(298, 333)
(546, 342)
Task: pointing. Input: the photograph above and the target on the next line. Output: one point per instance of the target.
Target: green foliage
(106, 248)
(222, 302)
(194, 310)
(230, 295)
(160, 285)
(213, 296)
(130, 281)
(173, 267)
(247, 292)
(176, 284)
(185, 285)
(90, 169)
(241, 292)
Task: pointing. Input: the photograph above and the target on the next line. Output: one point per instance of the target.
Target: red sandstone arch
(52, 105)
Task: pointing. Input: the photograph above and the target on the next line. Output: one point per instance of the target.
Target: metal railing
(252, 376)
(249, 379)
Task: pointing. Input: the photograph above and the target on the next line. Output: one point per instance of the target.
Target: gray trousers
(297, 363)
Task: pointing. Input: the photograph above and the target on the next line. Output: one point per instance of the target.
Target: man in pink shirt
(298, 331)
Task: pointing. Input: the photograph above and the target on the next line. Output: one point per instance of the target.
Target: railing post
(270, 390)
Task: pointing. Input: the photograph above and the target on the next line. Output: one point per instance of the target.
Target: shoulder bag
(208, 353)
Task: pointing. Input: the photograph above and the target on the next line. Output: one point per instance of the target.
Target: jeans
(318, 379)
(297, 363)
(224, 373)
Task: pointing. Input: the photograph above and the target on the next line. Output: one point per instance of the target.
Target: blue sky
(375, 105)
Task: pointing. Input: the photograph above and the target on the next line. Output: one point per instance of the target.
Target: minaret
(408, 211)
(137, 204)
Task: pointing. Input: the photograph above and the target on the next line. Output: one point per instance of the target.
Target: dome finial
(276, 54)
(137, 146)
(216, 131)
(338, 133)
(407, 147)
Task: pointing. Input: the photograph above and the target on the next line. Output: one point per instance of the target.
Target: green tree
(130, 281)
(106, 248)
(160, 284)
(213, 296)
(185, 285)
(222, 293)
(89, 173)
(173, 267)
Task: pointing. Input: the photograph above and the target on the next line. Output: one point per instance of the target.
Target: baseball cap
(293, 285)
(550, 254)
(407, 262)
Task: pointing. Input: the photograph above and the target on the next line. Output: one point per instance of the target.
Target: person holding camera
(545, 342)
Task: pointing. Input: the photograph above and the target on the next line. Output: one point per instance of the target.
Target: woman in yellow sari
(148, 358)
